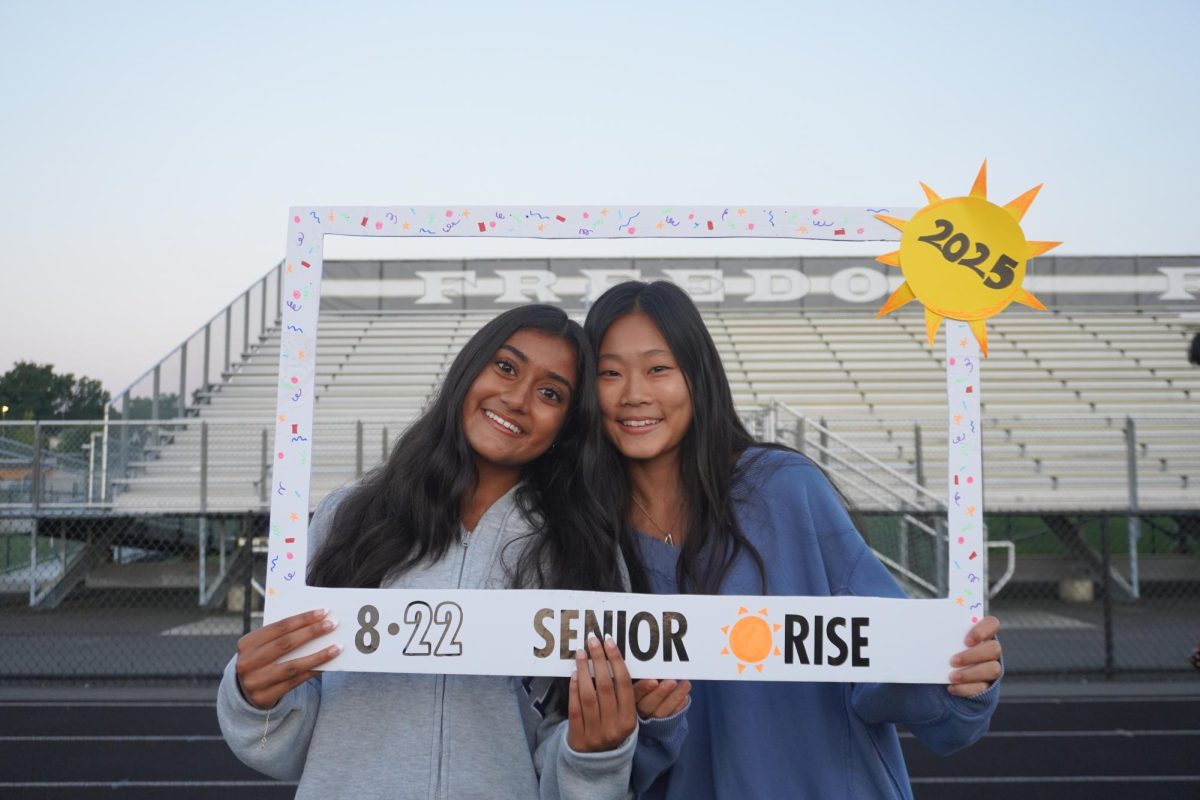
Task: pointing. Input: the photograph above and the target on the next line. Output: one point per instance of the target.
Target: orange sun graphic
(751, 639)
(964, 258)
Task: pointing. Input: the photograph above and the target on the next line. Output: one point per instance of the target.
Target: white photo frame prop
(530, 632)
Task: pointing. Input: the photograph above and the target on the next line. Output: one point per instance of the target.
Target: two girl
(489, 489)
(506, 482)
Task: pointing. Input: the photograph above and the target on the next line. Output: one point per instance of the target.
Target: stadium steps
(1062, 747)
(1069, 749)
(1060, 384)
(135, 750)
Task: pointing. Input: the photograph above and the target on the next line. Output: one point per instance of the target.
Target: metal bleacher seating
(1057, 388)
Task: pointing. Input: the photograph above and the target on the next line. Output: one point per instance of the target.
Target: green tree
(143, 407)
(34, 391)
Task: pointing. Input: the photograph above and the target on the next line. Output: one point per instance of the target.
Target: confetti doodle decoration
(966, 584)
(911, 637)
(963, 258)
(304, 258)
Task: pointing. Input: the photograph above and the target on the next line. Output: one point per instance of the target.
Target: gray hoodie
(369, 735)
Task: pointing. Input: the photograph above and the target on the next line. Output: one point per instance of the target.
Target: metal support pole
(245, 324)
(202, 544)
(800, 434)
(181, 405)
(228, 333)
(769, 424)
(247, 590)
(278, 292)
(91, 465)
(207, 355)
(358, 449)
(824, 442)
(262, 313)
(263, 470)
(35, 490)
(1106, 592)
(1134, 520)
(124, 470)
(154, 407)
(104, 459)
(919, 452)
(940, 545)
(384, 450)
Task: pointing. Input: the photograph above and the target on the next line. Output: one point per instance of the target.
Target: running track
(171, 749)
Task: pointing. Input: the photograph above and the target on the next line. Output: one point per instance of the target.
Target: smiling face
(644, 397)
(517, 404)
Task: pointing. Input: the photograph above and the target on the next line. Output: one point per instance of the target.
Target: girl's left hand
(977, 667)
(601, 712)
(660, 699)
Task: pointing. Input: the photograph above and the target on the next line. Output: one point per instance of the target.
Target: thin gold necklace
(667, 538)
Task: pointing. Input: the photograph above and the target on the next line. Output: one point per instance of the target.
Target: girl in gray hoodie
(488, 489)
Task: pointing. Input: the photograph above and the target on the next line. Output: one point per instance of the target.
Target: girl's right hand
(261, 680)
(601, 711)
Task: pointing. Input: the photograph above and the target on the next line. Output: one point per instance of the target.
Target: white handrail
(862, 454)
(1011, 549)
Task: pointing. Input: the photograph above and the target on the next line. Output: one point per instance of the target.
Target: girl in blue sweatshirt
(714, 513)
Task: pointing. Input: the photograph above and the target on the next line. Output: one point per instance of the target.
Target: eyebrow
(554, 376)
(654, 352)
(524, 358)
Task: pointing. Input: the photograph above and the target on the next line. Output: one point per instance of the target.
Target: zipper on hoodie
(441, 679)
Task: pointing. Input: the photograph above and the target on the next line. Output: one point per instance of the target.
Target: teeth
(640, 423)
(502, 421)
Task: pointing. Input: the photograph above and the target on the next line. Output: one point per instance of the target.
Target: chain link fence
(1093, 527)
(136, 549)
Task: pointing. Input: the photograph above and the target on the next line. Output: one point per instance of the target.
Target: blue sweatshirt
(804, 740)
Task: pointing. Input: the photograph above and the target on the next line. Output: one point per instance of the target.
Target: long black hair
(708, 454)
(408, 510)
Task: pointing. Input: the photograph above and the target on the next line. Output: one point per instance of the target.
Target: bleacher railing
(1092, 462)
(184, 378)
(1133, 467)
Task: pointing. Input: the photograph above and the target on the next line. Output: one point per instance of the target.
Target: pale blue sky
(149, 151)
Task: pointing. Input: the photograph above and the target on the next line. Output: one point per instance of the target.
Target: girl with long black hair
(489, 489)
(716, 513)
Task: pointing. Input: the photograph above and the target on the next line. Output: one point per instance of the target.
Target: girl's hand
(261, 680)
(660, 699)
(601, 712)
(977, 667)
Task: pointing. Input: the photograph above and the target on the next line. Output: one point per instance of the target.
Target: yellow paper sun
(751, 639)
(964, 258)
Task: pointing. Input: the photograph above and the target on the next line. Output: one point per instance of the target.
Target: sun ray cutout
(933, 321)
(892, 259)
(1021, 204)
(1026, 299)
(751, 640)
(963, 258)
(903, 294)
(979, 188)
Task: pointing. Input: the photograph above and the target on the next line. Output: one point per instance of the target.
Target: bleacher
(1058, 389)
